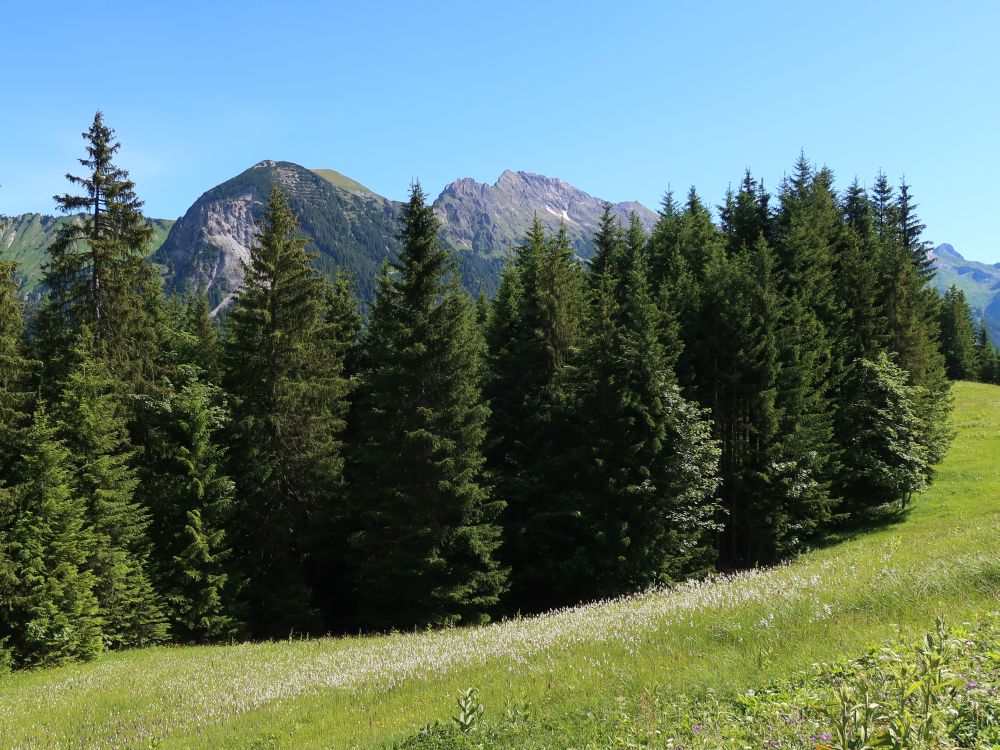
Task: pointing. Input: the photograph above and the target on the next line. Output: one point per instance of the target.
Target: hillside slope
(979, 281)
(564, 672)
(24, 239)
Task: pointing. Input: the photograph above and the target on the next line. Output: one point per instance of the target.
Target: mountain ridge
(979, 281)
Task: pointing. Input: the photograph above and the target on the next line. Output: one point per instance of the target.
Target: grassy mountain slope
(24, 239)
(566, 677)
(342, 181)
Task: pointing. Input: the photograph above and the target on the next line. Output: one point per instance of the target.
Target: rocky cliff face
(487, 219)
(208, 246)
(353, 228)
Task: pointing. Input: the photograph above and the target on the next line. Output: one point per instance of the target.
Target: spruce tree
(425, 549)
(987, 357)
(958, 336)
(738, 381)
(636, 520)
(191, 499)
(97, 275)
(859, 283)
(49, 613)
(882, 436)
(15, 399)
(92, 420)
(532, 333)
(205, 349)
(288, 393)
(910, 231)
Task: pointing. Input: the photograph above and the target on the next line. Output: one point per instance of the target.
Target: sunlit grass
(726, 635)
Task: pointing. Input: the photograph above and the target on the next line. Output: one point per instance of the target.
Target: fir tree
(738, 379)
(191, 499)
(958, 336)
(92, 422)
(15, 400)
(428, 534)
(882, 436)
(532, 332)
(987, 357)
(285, 378)
(910, 231)
(97, 275)
(205, 352)
(48, 610)
(629, 503)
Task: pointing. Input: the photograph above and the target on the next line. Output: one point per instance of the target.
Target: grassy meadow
(563, 680)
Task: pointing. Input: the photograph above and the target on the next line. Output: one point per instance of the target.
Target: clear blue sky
(619, 98)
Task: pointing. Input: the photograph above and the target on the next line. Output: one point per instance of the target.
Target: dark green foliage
(15, 400)
(532, 332)
(909, 233)
(427, 532)
(987, 357)
(204, 349)
(97, 275)
(191, 499)
(635, 518)
(958, 336)
(738, 379)
(284, 373)
(92, 422)
(882, 435)
(683, 245)
(810, 230)
(49, 613)
(860, 283)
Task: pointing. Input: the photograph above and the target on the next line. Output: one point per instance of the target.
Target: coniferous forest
(713, 396)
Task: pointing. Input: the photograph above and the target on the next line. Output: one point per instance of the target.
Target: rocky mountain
(24, 238)
(486, 219)
(350, 227)
(979, 281)
(353, 227)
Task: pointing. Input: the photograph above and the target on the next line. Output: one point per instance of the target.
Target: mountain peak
(485, 219)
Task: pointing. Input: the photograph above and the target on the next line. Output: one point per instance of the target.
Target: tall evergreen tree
(288, 396)
(49, 613)
(882, 436)
(92, 422)
(987, 357)
(636, 526)
(738, 381)
(97, 275)
(191, 499)
(858, 277)
(910, 233)
(958, 336)
(532, 332)
(15, 399)
(425, 550)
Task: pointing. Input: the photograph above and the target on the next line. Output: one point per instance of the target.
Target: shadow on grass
(849, 527)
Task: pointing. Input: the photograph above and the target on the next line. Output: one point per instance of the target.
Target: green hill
(342, 181)
(24, 239)
(586, 677)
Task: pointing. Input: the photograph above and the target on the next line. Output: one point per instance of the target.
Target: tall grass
(571, 667)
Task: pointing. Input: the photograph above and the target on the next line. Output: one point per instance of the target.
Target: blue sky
(622, 99)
